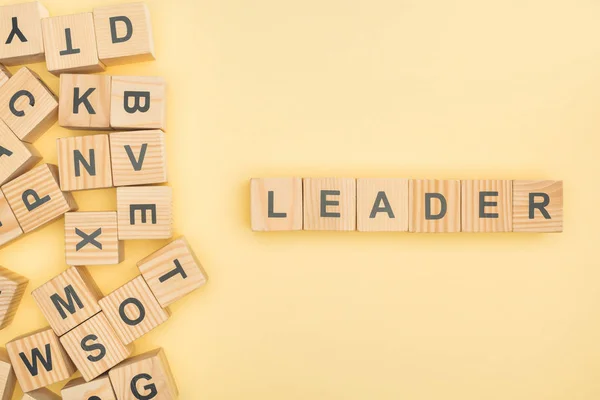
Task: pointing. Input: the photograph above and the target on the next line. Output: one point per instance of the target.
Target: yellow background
(427, 88)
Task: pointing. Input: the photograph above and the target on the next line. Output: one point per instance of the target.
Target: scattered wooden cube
(41, 394)
(36, 198)
(84, 162)
(16, 157)
(12, 288)
(144, 212)
(39, 359)
(382, 205)
(21, 39)
(9, 226)
(91, 238)
(7, 376)
(133, 310)
(68, 299)
(138, 158)
(145, 376)
(84, 101)
(98, 389)
(537, 206)
(5, 75)
(276, 204)
(94, 347)
(329, 204)
(486, 206)
(70, 44)
(172, 272)
(124, 33)
(434, 205)
(138, 102)
(27, 106)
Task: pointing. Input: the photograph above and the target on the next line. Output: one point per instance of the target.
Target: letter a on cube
(84, 101)
(138, 102)
(84, 162)
(16, 157)
(144, 212)
(21, 39)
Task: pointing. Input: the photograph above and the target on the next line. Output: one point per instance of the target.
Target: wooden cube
(16, 157)
(7, 376)
(68, 299)
(91, 238)
(84, 162)
(27, 106)
(434, 205)
(39, 359)
(70, 44)
(9, 226)
(172, 272)
(138, 158)
(329, 204)
(84, 101)
(138, 102)
(5, 75)
(94, 347)
(133, 310)
(144, 212)
(537, 206)
(276, 204)
(147, 376)
(98, 389)
(124, 33)
(21, 40)
(486, 206)
(12, 288)
(41, 394)
(36, 198)
(382, 205)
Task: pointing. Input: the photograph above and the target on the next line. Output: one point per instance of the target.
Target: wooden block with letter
(537, 206)
(144, 212)
(21, 40)
(27, 106)
(84, 162)
(276, 204)
(138, 102)
(382, 205)
(16, 157)
(12, 288)
(39, 359)
(91, 238)
(70, 44)
(434, 205)
(138, 158)
(68, 299)
(133, 310)
(486, 206)
(124, 33)
(94, 347)
(329, 204)
(7, 376)
(172, 272)
(41, 394)
(9, 226)
(36, 199)
(5, 75)
(147, 376)
(84, 101)
(97, 389)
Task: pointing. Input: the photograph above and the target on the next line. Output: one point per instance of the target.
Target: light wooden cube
(172, 272)
(41, 394)
(145, 376)
(5, 75)
(144, 212)
(21, 33)
(39, 359)
(68, 299)
(133, 310)
(329, 204)
(382, 205)
(124, 33)
(138, 102)
(70, 44)
(434, 205)
(94, 347)
(84, 101)
(537, 206)
(84, 162)
(98, 389)
(9, 228)
(27, 106)
(8, 379)
(486, 206)
(91, 238)
(276, 204)
(16, 157)
(138, 158)
(12, 288)
(36, 199)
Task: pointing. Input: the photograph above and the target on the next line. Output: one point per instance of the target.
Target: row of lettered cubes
(406, 205)
(95, 334)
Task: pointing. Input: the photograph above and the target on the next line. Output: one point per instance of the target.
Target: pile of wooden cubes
(88, 332)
